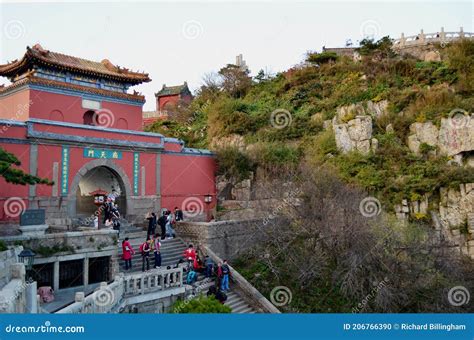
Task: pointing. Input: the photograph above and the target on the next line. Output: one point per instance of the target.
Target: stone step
(171, 252)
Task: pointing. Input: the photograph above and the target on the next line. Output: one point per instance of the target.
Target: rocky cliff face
(456, 211)
(352, 126)
(455, 137)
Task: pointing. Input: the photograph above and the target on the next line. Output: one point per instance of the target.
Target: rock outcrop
(422, 133)
(352, 126)
(456, 212)
(454, 137)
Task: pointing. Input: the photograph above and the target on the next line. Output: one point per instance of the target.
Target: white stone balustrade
(108, 297)
(425, 38)
(13, 295)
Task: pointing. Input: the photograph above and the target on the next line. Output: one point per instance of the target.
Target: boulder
(432, 56)
(422, 133)
(456, 135)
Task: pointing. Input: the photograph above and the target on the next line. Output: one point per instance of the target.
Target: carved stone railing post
(421, 37)
(442, 34)
(402, 39)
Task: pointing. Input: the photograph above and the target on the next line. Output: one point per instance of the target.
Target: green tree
(202, 304)
(17, 176)
(381, 48)
(321, 58)
(235, 80)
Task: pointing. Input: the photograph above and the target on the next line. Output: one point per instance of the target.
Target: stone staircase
(171, 252)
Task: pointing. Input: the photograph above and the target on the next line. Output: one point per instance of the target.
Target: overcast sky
(178, 41)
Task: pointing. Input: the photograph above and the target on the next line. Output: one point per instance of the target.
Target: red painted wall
(44, 103)
(96, 133)
(184, 176)
(15, 106)
(161, 101)
(13, 196)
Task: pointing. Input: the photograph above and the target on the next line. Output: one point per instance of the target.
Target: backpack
(225, 269)
(191, 278)
(144, 248)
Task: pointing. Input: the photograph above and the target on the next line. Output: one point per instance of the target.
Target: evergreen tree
(17, 176)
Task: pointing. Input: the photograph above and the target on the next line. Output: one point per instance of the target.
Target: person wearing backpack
(145, 251)
(225, 276)
(190, 256)
(128, 252)
(157, 251)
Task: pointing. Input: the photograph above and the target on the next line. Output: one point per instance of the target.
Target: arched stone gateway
(98, 174)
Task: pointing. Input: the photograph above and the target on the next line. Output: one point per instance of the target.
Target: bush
(277, 156)
(321, 58)
(233, 164)
(3, 246)
(201, 304)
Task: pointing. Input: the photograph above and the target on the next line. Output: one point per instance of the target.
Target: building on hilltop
(168, 101)
(240, 62)
(72, 120)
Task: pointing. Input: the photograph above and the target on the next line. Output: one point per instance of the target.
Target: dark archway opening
(103, 178)
(89, 118)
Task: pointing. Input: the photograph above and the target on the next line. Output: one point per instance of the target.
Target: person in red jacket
(190, 256)
(128, 252)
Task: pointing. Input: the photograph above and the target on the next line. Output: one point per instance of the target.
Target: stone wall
(66, 246)
(228, 239)
(13, 297)
(72, 242)
(7, 259)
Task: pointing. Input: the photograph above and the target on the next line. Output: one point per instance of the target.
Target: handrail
(245, 286)
(109, 296)
(425, 38)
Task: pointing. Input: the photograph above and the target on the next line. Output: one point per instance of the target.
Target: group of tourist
(111, 214)
(191, 261)
(152, 244)
(221, 272)
(166, 221)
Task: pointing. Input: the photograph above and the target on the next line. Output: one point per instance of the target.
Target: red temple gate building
(168, 100)
(74, 122)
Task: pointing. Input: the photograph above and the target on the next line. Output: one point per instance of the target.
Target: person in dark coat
(178, 214)
(162, 224)
(151, 224)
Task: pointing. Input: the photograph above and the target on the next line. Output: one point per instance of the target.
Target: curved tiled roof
(59, 84)
(36, 55)
(173, 90)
